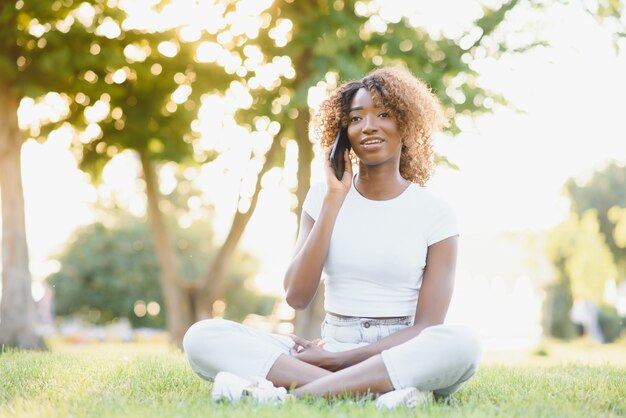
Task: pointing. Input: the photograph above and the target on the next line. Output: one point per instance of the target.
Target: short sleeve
(444, 223)
(313, 201)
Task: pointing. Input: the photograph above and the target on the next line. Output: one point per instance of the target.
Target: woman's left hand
(312, 352)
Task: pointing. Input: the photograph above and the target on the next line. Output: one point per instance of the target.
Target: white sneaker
(230, 387)
(409, 397)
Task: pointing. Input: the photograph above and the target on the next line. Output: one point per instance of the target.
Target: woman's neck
(380, 183)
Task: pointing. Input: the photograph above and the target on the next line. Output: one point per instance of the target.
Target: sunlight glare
(214, 21)
(231, 62)
(122, 184)
(376, 24)
(109, 28)
(189, 33)
(54, 189)
(91, 132)
(281, 33)
(119, 76)
(181, 94)
(85, 14)
(168, 49)
(360, 9)
(208, 51)
(253, 7)
(140, 308)
(153, 308)
(225, 38)
(248, 25)
(261, 123)
(317, 94)
(27, 114)
(290, 171)
(167, 178)
(156, 69)
(32, 114)
(97, 112)
(268, 75)
(136, 53)
(261, 142)
(36, 29)
(254, 57)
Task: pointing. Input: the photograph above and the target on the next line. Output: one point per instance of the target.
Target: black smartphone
(341, 144)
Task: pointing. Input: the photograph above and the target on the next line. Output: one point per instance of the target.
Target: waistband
(339, 320)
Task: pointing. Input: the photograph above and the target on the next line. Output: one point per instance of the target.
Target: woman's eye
(354, 118)
(383, 115)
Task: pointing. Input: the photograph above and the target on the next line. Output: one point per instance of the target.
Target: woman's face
(372, 130)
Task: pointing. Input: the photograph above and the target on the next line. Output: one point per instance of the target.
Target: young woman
(387, 248)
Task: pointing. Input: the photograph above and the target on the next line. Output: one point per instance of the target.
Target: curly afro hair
(416, 109)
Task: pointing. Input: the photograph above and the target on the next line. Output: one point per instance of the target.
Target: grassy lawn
(149, 380)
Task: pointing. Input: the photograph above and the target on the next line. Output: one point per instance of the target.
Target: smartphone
(341, 144)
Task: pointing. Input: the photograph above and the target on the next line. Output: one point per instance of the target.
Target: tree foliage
(605, 192)
(124, 85)
(610, 13)
(578, 247)
(106, 270)
(334, 41)
(588, 249)
(88, 53)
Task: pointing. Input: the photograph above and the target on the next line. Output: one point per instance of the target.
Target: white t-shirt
(378, 248)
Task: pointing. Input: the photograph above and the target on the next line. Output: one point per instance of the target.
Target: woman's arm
(305, 270)
(432, 306)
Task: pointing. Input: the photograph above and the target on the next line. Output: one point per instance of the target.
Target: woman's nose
(369, 125)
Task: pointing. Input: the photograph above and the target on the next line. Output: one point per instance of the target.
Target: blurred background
(154, 156)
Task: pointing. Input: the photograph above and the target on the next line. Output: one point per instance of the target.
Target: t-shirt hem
(370, 314)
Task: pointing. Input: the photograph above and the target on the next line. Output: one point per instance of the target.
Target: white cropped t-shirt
(377, 254)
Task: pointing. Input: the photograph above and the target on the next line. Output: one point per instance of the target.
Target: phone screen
(341, 144)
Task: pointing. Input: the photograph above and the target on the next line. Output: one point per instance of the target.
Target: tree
(583, 264)
(589, 247)
(105, 271)
(17, 308)
(605, 192)
(79, 54)
(578, 248)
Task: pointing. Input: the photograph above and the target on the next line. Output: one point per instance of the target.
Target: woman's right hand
(335, 186)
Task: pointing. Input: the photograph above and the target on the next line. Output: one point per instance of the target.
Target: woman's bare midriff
(368, 317)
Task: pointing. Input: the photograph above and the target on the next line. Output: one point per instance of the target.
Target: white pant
(440, 359)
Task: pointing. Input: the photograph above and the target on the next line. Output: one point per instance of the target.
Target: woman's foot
(230, 387)
(409, 397)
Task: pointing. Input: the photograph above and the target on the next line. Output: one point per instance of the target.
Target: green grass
(147, 380)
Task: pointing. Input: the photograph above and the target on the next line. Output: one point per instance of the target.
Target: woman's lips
(372, 144)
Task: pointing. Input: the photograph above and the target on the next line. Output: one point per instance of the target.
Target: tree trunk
(307, 321)
(305, 157)
(17, 308)
(175, 292)
(211, 286)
